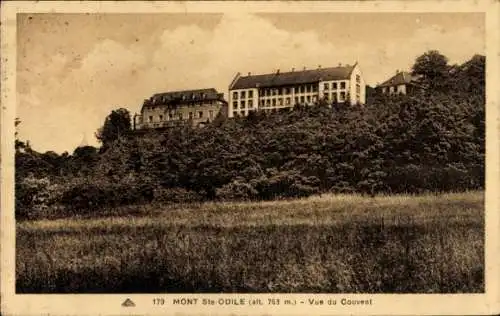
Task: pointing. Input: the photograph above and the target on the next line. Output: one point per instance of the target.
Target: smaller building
(168, 109)
(402, 82)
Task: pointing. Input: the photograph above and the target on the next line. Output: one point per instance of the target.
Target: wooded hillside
(430, 141)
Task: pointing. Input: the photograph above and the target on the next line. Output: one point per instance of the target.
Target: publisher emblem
(128, 303)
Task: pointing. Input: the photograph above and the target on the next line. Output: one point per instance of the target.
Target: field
(328, 243)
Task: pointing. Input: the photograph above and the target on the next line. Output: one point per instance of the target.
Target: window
(150, 119)
(250, 103)
(211, 114)
(262, 102)
(180, 116)
(235, 104)
(250, 94)
(358, 78)
(314, 98)
(314, 88)
(287, 102)
(296, 100)
(358, 88)
(280, 102)
(287, 90)
(302, 89)
(334, 85)
(302, 99)
(274, 102)
(242, 94)
(161, 118)
(268, 102)
(170, 116)
(334, 97)
(200, 114)
(342, 96)
(235, 113)
(242, 103)
(325, 95)
(342, 85)
(308, 88)
(326, 86)
(190, 115)
(308, 99)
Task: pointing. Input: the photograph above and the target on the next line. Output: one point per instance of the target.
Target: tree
(116, 124)
(432, 69)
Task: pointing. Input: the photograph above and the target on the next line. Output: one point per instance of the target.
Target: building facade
(401, 83)
(272, 92)
(195, 107)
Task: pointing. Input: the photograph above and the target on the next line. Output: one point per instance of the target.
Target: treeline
(430, 141)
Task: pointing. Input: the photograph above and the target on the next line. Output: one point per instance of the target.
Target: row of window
(243, 104)
(242, 94)
(243, 113)
(288, 100)
(162, 101)
(180, 116)
(333, 96)
(289, 90)
(267, 92)
(334, 85)
(393, 89)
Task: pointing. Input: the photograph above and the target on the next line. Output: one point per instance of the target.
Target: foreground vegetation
(329, 243)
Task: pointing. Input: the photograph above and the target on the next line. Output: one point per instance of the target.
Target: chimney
(319, 66)
(249, 74)
(293, 69)
(277, 71)
(340, 64)
(304, 68)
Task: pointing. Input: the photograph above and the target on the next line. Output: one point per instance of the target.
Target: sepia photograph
(249, 152)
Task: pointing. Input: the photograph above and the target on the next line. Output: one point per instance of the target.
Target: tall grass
(393, 244)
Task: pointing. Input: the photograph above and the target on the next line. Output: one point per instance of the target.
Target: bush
(176, 195)
(91, 196)
(35, 196)
(237, 190)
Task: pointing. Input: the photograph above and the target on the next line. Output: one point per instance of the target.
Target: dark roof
(402, 77)
(185, 96)
(293, 77)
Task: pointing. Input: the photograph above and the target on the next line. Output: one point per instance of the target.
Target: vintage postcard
(250, 158)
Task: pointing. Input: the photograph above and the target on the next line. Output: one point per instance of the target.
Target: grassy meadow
(328, 243)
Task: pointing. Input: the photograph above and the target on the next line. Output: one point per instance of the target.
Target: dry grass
(329, 243)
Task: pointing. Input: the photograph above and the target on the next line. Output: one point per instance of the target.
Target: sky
(74, 69)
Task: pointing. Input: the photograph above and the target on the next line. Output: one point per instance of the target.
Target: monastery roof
(402, 77)
(293, 77)
(185, 96)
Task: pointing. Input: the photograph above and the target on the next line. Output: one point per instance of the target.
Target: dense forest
(430, 141)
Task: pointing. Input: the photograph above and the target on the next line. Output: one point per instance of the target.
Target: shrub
(237, 190)
(35, 196)
(176, 195)
(91, 196)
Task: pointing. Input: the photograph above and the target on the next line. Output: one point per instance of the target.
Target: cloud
(60, 98)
